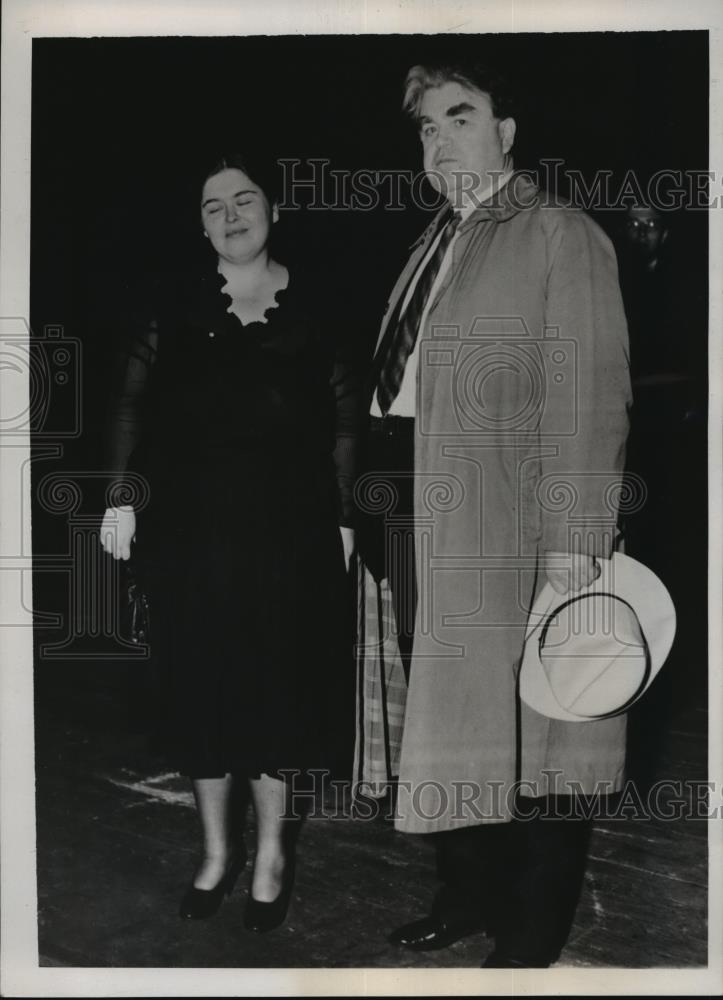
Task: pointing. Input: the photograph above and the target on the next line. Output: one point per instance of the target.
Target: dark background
(123, 129)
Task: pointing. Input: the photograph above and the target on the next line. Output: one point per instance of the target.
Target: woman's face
(236, 216)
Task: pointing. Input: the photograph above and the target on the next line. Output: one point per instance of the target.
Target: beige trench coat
(522, 417)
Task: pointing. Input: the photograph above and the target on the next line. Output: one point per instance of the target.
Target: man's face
(464, 144)
(646, 231)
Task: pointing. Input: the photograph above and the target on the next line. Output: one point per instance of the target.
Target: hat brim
(626, 579)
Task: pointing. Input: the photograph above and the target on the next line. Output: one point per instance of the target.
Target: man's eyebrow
(235, 195)
(458, 109)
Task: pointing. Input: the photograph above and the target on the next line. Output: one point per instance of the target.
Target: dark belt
(391, 426)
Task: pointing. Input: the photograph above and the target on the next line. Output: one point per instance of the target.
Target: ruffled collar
(226, 292)
(198, 300)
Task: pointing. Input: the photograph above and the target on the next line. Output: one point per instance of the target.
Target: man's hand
(570, 572)
(117, 531)
(347, 538)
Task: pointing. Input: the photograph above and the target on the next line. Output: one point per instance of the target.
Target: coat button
(211, 333)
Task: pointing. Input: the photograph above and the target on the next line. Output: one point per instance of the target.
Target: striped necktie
(403, 341)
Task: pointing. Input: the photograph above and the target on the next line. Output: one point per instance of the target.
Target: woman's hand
(347, 538)
(117, 531)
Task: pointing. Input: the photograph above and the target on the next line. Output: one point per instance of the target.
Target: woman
(234, 410)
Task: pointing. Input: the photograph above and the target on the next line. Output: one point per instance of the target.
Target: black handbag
(135, 610)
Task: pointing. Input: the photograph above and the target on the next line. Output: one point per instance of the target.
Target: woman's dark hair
(480, 76)
(263, 170)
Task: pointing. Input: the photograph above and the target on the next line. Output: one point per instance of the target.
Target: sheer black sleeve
(131, 369)
(347, 384)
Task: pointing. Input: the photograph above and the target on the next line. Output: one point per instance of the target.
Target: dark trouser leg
(521, 879)
(547, 857)
(386, 540)
(472, 863)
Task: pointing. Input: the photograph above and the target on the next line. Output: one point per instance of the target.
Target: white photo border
(24, 20)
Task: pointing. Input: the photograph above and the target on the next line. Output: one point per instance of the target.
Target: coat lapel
(417, 251)
(519, 193)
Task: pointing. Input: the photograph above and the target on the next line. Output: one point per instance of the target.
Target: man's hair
(477, 75)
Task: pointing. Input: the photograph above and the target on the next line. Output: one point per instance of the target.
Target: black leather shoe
(263, 917)
(198, 904)
(499, 961)
(431, 933)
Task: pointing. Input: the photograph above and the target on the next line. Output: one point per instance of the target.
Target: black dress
(245, 435)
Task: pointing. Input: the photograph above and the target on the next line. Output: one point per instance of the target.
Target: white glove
(117, 531)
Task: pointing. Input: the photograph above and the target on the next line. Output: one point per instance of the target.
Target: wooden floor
(118, 841)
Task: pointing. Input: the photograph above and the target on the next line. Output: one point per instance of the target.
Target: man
(498, 424)
(648, 281)
(663, 283)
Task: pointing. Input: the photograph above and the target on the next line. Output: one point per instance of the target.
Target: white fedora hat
(592, 653)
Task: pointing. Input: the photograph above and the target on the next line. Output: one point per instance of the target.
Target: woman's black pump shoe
(263, 917)
(198, 904)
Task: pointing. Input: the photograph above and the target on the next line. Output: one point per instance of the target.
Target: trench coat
(522, 416)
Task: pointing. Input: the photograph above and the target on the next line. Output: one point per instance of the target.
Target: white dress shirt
(405, 403)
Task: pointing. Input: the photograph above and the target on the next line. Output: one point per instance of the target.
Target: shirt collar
(478, 199)
(513, 192)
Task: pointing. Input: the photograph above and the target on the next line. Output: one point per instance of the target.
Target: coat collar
(518, 194)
